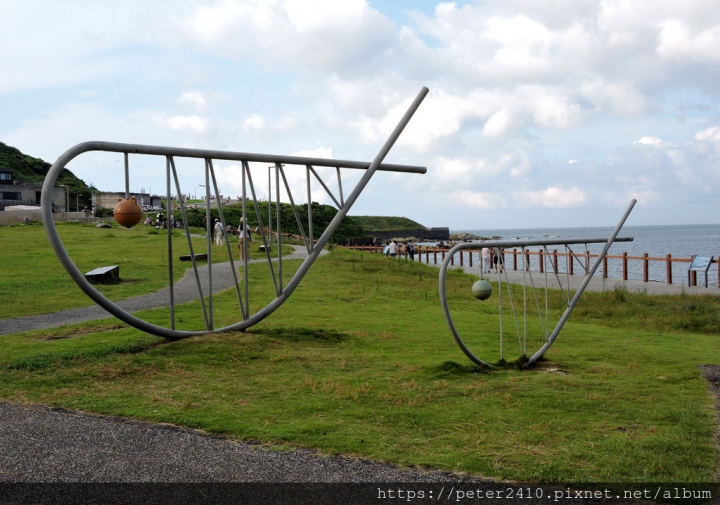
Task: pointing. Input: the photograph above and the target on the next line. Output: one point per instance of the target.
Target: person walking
(245, 237)
(485, 256)
(219, 233)
(411, 250)
(392, 249)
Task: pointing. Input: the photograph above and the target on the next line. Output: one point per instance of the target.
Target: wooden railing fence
(438, 254)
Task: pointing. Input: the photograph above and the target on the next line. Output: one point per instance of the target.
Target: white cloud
(311, 15)
(476, 199)
(254, 122)
(712, 133)
(519, 90)
(552, 197)
(194, 98)
(679, 42)
(649, 141)
(183, 123)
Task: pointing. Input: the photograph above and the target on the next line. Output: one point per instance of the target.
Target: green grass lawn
(34, 281)
(359, 361)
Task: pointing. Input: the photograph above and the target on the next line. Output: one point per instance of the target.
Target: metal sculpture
(170, 153)
(548, 337)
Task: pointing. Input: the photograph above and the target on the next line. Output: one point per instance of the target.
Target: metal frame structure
(549, 338)
(170, 153)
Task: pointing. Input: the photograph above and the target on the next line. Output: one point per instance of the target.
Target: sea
(681, 241)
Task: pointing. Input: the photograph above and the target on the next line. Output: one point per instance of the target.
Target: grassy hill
(383, 223)
(29, 170)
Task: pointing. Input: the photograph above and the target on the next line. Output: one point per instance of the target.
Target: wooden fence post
(470, 253)
(435, 256)
(514, 253)
(555, 260)
(624, 266)
(540, 259)
(571, 263)
(461, 258)
(645, 267)
(527, 260)
(587, 261)
(605, 267)
(668, 268)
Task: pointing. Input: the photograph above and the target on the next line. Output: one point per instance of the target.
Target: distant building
(108, 199)
(14, 193)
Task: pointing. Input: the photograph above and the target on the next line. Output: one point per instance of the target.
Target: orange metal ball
(127, 213)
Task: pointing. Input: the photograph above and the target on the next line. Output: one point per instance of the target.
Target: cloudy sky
(540, 113)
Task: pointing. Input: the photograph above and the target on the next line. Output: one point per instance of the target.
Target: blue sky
(540, 113)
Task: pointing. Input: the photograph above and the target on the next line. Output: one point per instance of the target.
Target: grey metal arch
(208, 155)
(526, 243)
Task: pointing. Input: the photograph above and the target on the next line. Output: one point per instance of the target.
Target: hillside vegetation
(29, 170)
(384, 223)
(321, 214)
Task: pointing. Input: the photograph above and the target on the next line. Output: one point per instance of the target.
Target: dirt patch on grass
(57, 334)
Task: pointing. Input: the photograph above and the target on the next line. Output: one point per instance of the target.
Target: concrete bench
(104, 275)
(198, 257)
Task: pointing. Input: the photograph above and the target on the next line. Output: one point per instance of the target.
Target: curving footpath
(185, 290)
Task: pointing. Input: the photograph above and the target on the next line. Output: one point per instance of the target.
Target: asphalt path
(185, 290)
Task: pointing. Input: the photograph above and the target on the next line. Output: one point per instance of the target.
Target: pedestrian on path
(219, 233)
(392, 249)
(485, 257)
(245, 237)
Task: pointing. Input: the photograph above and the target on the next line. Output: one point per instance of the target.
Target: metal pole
(262, 228)
(310, 227)
(227, 242)
(584, 284)
(190, 244)
(297, 216)
(208, 239)
(342, 201)
(270, 206)
(278, 211)
(127, 177)
(170, 251)
(246, 251)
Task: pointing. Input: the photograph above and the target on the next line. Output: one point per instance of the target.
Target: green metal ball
(482, 289)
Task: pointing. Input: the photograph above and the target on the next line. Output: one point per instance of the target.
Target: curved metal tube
(525, 243)
(172, 334)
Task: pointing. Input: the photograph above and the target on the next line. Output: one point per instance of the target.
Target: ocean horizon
(680, 241)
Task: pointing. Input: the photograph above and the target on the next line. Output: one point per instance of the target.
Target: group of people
(489, 258)
(392, 249)
(161, 221)
(243, 230)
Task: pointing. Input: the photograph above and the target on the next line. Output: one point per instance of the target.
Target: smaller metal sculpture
(480, 288)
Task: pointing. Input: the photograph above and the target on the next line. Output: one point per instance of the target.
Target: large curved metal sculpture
(170, 153)
(549, 338)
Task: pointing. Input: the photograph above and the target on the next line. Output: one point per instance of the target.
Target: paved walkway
(597, 283)
(185, 291)
(51, 444)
